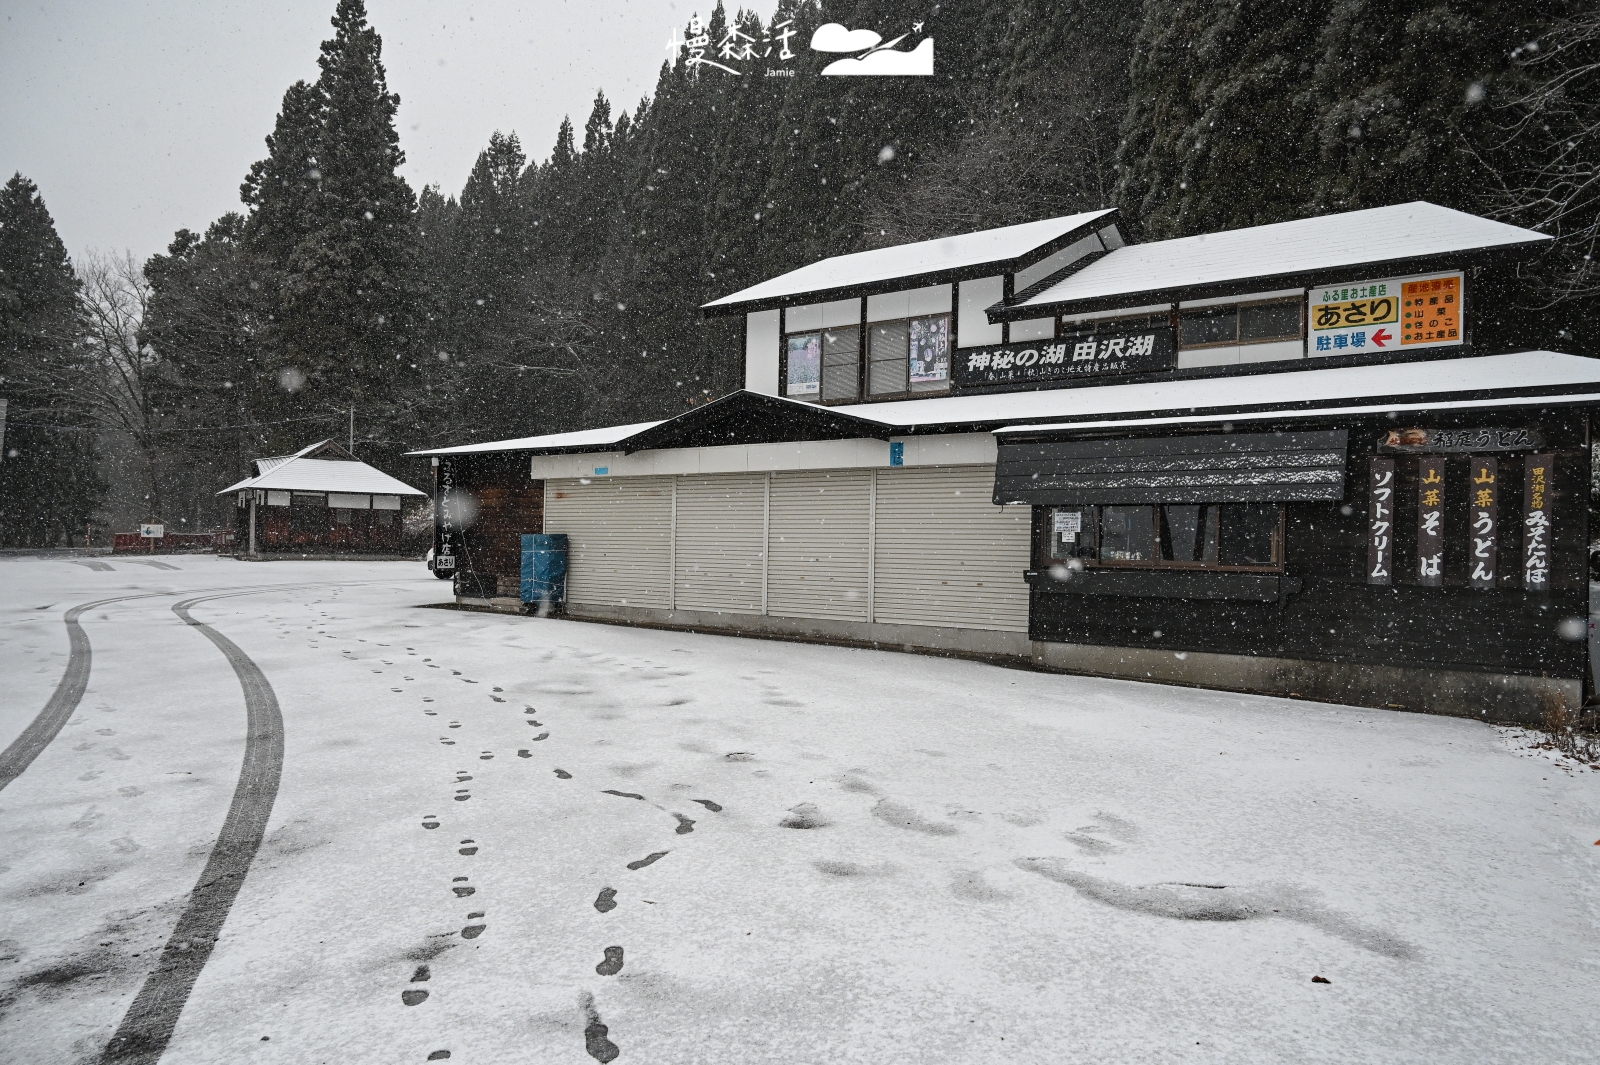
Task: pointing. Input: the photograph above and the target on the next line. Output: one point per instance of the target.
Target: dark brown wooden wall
(1338, 617)
(509, 503)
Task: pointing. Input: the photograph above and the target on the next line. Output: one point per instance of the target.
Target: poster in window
(1430, 522)
(1380, 522)
(805, 365)
(1536, 525)
(1482, 516)
(930, 349)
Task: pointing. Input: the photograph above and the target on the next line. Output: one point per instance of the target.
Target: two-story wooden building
(1298, 458)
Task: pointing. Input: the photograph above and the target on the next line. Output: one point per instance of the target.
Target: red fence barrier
(172, 543)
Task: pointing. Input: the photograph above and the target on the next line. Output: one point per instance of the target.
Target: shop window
(841, 365)
(341, 515)
(909, 355)
(889, 357)
(1249, 323)
(1127, 534)
(1178, 536)
(383, 517)
(1261, 323)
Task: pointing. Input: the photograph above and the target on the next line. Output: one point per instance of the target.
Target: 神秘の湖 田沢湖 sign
(1071, 355)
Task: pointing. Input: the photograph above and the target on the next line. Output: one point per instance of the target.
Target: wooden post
(252, 524)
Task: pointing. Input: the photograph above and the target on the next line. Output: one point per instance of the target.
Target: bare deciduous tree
(121, 370)
(1551, 175)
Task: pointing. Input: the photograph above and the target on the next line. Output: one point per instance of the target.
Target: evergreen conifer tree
(49, 487)
(1216, 135)
(350, 287)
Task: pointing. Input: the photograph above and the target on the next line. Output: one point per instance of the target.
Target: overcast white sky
(135, 119)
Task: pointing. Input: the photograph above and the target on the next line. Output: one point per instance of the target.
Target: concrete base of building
(322, 556)
(1497, 697)
(919, 638)
(498, 604)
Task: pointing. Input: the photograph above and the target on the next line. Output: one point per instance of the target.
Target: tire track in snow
(21, 752)
(63, 701)
(16, 758)
(148, 1025)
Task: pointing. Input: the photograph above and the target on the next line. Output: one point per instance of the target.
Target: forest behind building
(558, 288)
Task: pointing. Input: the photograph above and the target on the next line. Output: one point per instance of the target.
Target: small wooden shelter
(321, 501)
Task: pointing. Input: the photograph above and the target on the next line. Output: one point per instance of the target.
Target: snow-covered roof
(1306, 246)
(264, 465)
(1526, 372)
(301, 473)
(583, 438)
(1397, 406)
(999, 247)
(1519, 379)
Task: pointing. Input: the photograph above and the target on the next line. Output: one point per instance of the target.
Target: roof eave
(660, 436)
(1002, 312)
(1109, 216)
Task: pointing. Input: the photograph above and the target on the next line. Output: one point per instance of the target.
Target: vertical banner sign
(1536, 525)
(1430, 522)
(1380, 522)
(1483, 533)
(444, 525)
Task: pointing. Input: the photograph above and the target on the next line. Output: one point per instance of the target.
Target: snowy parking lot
(503, 839)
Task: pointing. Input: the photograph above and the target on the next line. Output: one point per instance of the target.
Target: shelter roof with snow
(321, 467)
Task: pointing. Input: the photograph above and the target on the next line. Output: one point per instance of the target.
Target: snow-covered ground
(864, 856)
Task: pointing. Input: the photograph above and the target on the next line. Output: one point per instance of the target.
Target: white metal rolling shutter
(818, 539)
(945, 554)
(619, 538)
(719, 556)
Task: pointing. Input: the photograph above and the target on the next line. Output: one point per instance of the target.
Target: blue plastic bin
(544, 569)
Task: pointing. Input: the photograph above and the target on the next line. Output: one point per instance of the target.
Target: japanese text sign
(1077, 355)
(1448, 440)
(1430, 522)
(1387, 315)
(1380, 522)
(1536, 524)
(1483, 522)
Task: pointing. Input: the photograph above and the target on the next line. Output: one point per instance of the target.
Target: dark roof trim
(1552, 396)
(746, 417)
(1003, 312)
(1112, 217)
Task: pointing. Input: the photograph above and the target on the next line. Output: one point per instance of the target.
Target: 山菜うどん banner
(1391, 314)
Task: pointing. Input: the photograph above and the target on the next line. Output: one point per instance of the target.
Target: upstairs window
(1247, 323)
(907, 356)
(841, 365)
(803, 355)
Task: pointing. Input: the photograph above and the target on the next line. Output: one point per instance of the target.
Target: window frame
(864, 362)
(1045, 559)
(1299, 302)
(783, 364)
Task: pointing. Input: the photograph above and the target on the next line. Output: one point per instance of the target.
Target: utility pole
(352, 430)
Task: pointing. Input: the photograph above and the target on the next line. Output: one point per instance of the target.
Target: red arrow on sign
(1382, 337)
